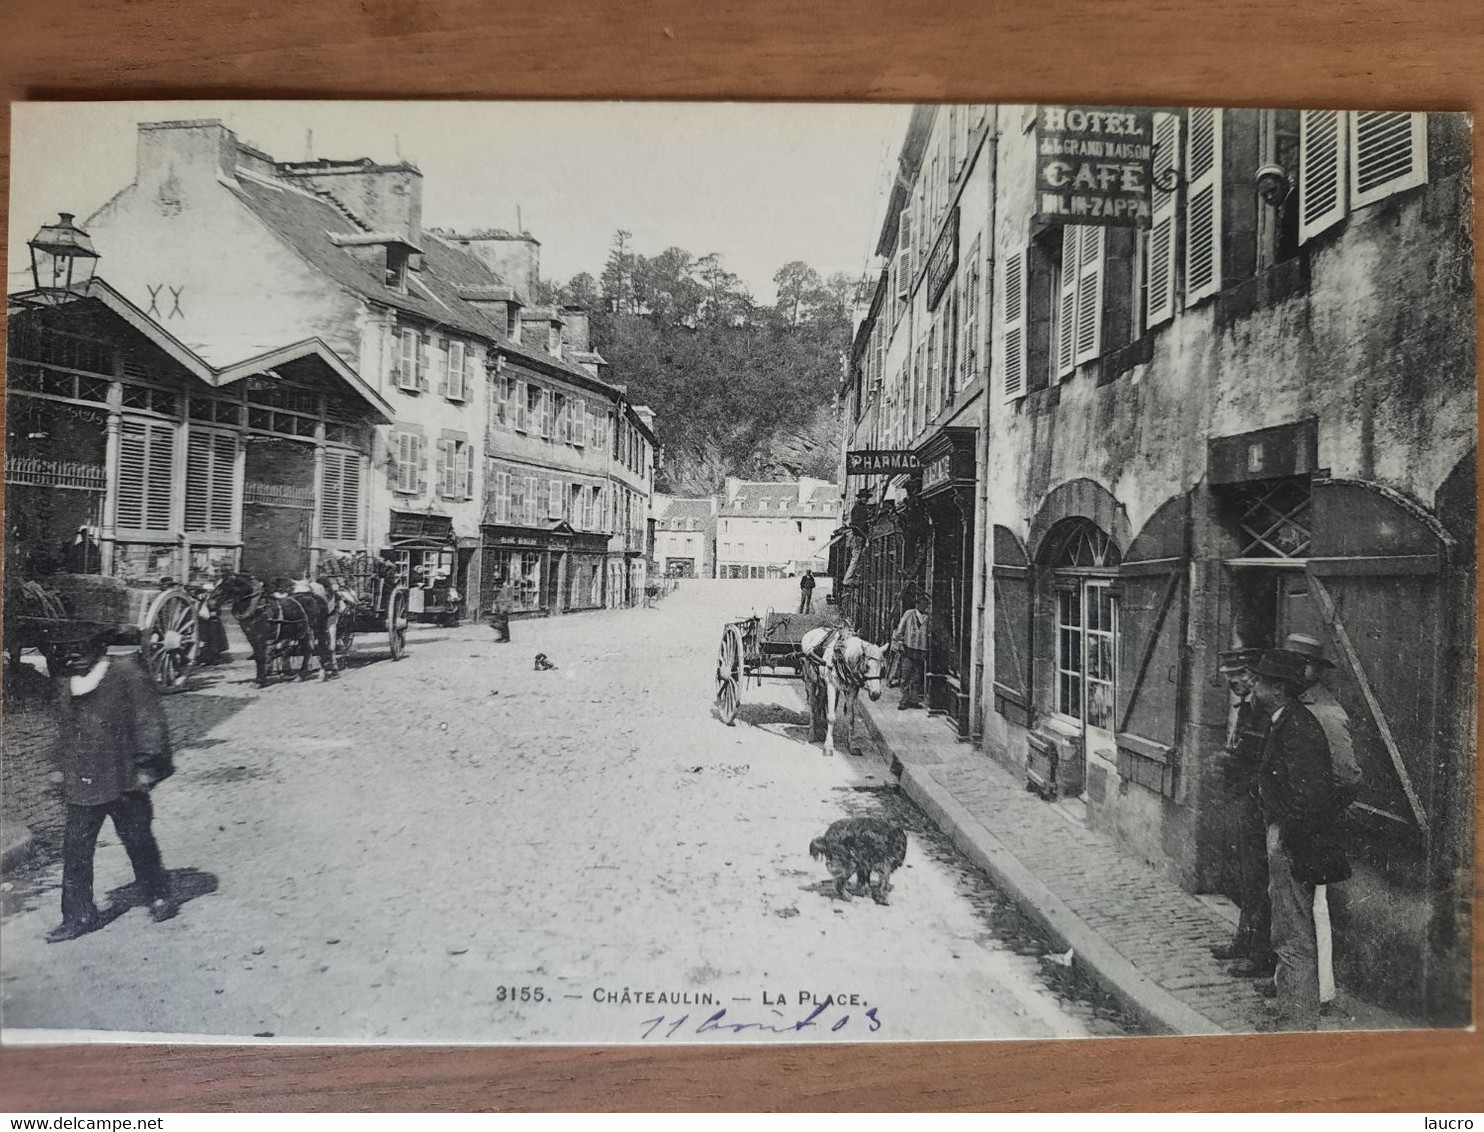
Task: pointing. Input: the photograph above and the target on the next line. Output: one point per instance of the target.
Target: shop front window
(1084, 561)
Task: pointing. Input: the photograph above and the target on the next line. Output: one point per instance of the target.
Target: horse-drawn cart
(381, 605)
(754, 647)
(163, 622)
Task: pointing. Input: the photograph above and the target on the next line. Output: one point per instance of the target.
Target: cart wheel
(345, 635)
(729, 675)
(168, 639)
(396, 623)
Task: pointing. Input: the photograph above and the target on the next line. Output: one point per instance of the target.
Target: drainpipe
(982, 526)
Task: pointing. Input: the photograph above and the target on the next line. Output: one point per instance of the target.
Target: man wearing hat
(1241, 762)
(1346, 771)
(1301, 806)
(114, 747)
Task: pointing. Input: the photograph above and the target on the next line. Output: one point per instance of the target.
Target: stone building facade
(775, 530)
(1253, 417)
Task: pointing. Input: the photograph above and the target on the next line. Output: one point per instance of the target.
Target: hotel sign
(943, 261)
(887, 462)
(1094, 165)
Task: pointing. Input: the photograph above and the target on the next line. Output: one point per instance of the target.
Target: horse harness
(846, 674)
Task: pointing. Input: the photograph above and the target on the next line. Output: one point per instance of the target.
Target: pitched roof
(305, 221)
(699, 509)
(782, 499)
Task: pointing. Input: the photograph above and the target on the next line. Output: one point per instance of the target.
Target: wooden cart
(162, 622)
(754, 647)
(381, 605)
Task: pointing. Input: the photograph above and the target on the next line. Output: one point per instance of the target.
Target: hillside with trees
(738, 387)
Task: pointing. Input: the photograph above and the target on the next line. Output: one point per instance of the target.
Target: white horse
(338, 600)
(846, 663)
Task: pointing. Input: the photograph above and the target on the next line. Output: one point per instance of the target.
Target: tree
(798, 285)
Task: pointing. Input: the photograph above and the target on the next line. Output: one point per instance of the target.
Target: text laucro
(718, 1023)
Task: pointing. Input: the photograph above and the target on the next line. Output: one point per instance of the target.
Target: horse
(339, 602)
(847, 663)
(277, 623)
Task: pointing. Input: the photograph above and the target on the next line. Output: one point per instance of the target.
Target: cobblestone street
(459, 848)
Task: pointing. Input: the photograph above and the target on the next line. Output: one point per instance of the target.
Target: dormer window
(396, 267)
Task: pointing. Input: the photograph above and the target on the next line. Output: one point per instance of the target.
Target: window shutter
(1322, 179)
(473, 370)
(146, 461)
(467, 451)
(330, 497)
(456, 363)
(419, 464)
(579, 423)
(1012, 627)
(521, 411)
(1160, 262)
(502, 497)
(350, 497)
(554, 499)
(545, 395)
(1203, 205)
(423, 360)
(211, 465)
(904, 254)
(444, 471)
(442, 369)
(1390, 154)
(1151, 669)
(407, 371)
(1089, 337)
(1066, 311)
(531, 501)
(1013, 324)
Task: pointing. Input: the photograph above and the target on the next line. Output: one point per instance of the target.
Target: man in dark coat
(1240, 763)
(1305, 845)
(499, 616)
(114, 747)
(806, 591)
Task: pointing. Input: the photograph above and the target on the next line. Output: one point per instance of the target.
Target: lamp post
(62, 260)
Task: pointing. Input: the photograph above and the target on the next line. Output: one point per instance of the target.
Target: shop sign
(938, 472)
(943, 261)
(410, 524)
(883, 462)
(1268, 453)
(1094, 165)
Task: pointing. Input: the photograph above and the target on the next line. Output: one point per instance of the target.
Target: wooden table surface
(1406, 54)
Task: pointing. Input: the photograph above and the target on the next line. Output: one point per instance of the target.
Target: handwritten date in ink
(718, 1023)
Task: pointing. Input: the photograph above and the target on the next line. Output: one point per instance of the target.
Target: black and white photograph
(712, 573)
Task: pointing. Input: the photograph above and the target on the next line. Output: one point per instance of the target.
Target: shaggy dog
(861, 846)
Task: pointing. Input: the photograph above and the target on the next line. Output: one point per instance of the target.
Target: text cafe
(1094, 165)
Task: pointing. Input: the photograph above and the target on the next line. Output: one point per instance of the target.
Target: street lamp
(62, 258)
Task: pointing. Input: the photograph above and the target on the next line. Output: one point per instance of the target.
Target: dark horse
(277, 626)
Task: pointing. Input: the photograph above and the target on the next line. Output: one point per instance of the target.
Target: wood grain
(1413, 54)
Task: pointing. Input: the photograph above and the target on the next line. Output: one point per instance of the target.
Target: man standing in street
(911, 637)
(114, 746)
(1343, 767)
(1302, 808)
(504, 606)
(1241, 761)
(806, 591)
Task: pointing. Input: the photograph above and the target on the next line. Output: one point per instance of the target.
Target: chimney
(385, 198)
(514, 258)
(541, 328)
(177, 160)
(576, 332)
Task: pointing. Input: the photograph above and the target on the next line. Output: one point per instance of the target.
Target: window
(561, 424)
(903, 262)
(500, 401)
(533, 501)
(1079, 297)
(1203, 205)
(438, 350)
(455, 468)
(502, 497)
(522, 408)
(1083, 562)
(396, 268)
(1159, 260)
(579, 422)
(340, 511)
(457, 362)
(407, 461)
(554, 500)
(211, 470)
(973, 294)
(410, 367)
(544, 408)
(576, 502)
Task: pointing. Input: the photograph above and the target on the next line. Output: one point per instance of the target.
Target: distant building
(499, 449)
(685, 536)
(775, 530)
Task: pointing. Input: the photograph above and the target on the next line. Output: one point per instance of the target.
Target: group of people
(1289, 764)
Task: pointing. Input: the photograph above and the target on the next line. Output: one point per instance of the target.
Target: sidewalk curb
(1140, 995)
(16, 843)
(1156, 1007)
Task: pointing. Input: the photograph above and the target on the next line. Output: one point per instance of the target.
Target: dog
(861, 847)
(542, 664)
